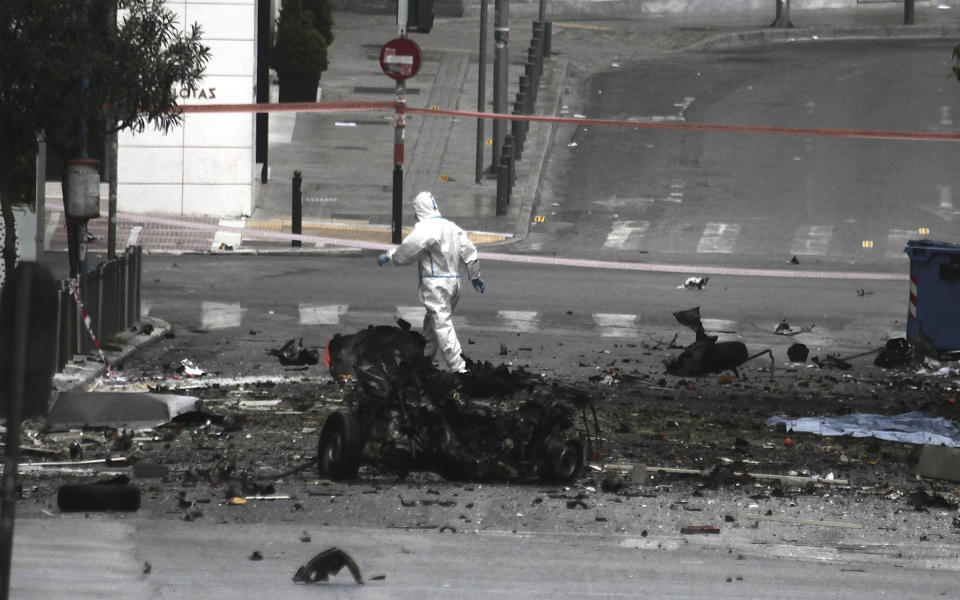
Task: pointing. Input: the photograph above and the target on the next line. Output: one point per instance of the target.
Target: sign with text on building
(400, 58)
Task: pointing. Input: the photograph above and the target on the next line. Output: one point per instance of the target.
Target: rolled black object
(95, 497)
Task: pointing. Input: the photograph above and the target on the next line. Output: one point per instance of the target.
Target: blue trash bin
(934, 293)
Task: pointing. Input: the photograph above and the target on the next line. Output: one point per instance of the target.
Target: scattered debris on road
(327, 563)
(706, 355)
(695, 283)
(488, 424)
(294, 354)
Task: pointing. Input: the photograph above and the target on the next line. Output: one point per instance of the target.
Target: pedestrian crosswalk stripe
(312, 314)
(411, 314)
(626, 232)
(718, 238)
(812, 240)
(718, 325)
(616, 325)
(896, 241)
(520, 320)
(219, 315)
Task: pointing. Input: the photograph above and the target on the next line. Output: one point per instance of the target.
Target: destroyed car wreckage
(487, 424)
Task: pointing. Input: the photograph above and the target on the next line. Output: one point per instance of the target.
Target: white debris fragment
(694, 283)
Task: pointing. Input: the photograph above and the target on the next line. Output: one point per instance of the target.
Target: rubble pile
(490, 424)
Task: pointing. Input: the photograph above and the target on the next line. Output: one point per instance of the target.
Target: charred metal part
(798, 352)
(488, 424)
(327, 563)
(706, 354)
(896, 353)
(831, 361)
(293, 353)
(111, 494)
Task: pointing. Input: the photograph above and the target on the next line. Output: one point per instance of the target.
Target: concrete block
(939, 462)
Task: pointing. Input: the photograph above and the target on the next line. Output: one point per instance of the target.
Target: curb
(84, 370)
(763, 36)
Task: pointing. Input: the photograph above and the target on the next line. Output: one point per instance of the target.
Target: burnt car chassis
(405, 415)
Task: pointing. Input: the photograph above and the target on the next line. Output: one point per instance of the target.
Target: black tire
(341, 444)
(560, 460)
(98, 497)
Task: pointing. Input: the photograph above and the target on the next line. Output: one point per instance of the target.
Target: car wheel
(338, 454)
(561, 460)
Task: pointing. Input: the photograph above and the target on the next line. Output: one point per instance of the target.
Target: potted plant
(300, 52)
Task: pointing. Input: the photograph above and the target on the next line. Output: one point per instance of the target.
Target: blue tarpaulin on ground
(913, 427)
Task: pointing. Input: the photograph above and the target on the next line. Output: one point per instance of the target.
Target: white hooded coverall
(439, 245)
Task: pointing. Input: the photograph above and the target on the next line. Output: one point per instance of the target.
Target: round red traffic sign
(400, 58)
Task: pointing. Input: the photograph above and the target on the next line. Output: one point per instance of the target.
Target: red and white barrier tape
(536, 259)
(332, 107)
(913, 296)
(75, 288)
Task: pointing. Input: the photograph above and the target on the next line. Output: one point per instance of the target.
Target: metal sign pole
(399, 132)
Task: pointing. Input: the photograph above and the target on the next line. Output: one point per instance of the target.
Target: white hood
(426, 206)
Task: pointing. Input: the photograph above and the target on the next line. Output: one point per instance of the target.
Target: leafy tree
(71, 66)
(304, 32)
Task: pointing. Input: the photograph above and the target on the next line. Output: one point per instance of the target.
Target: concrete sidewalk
(346, 159)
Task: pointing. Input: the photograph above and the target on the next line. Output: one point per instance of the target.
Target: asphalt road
(758, 199)
(227, 310)
(106, 557)
(562, 315)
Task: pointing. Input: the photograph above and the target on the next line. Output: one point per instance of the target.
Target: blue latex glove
(383, 259)
(479, 284)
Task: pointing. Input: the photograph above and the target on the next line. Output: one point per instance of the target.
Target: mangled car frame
(405, 415)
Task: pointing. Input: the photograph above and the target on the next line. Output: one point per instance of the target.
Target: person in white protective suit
(438, 245)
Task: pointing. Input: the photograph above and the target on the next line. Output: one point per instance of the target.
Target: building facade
(206, 166)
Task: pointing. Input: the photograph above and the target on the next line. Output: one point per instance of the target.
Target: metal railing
(112, 303)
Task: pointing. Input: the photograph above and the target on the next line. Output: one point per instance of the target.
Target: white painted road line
(812, 241)
(219, 315)
(718, 238)
(626, 235)
(896, 241)
(616, 325)
(718, 325)
(313, 314)
(557, 261)
(520, 320)
(411, 314)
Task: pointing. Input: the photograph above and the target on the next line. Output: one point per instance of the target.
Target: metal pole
(41, 195)
(296, 213)
(908, 12)
(501, 66)
(399, 132)
(112, 176)
(481, 86)
(111, 157)
(263, 85)
(14, 405)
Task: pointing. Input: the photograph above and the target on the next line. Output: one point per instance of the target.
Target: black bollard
(296, 225)
(503, 187)
(508, 154)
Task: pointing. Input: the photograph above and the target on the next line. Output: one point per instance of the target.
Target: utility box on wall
(83, 188)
